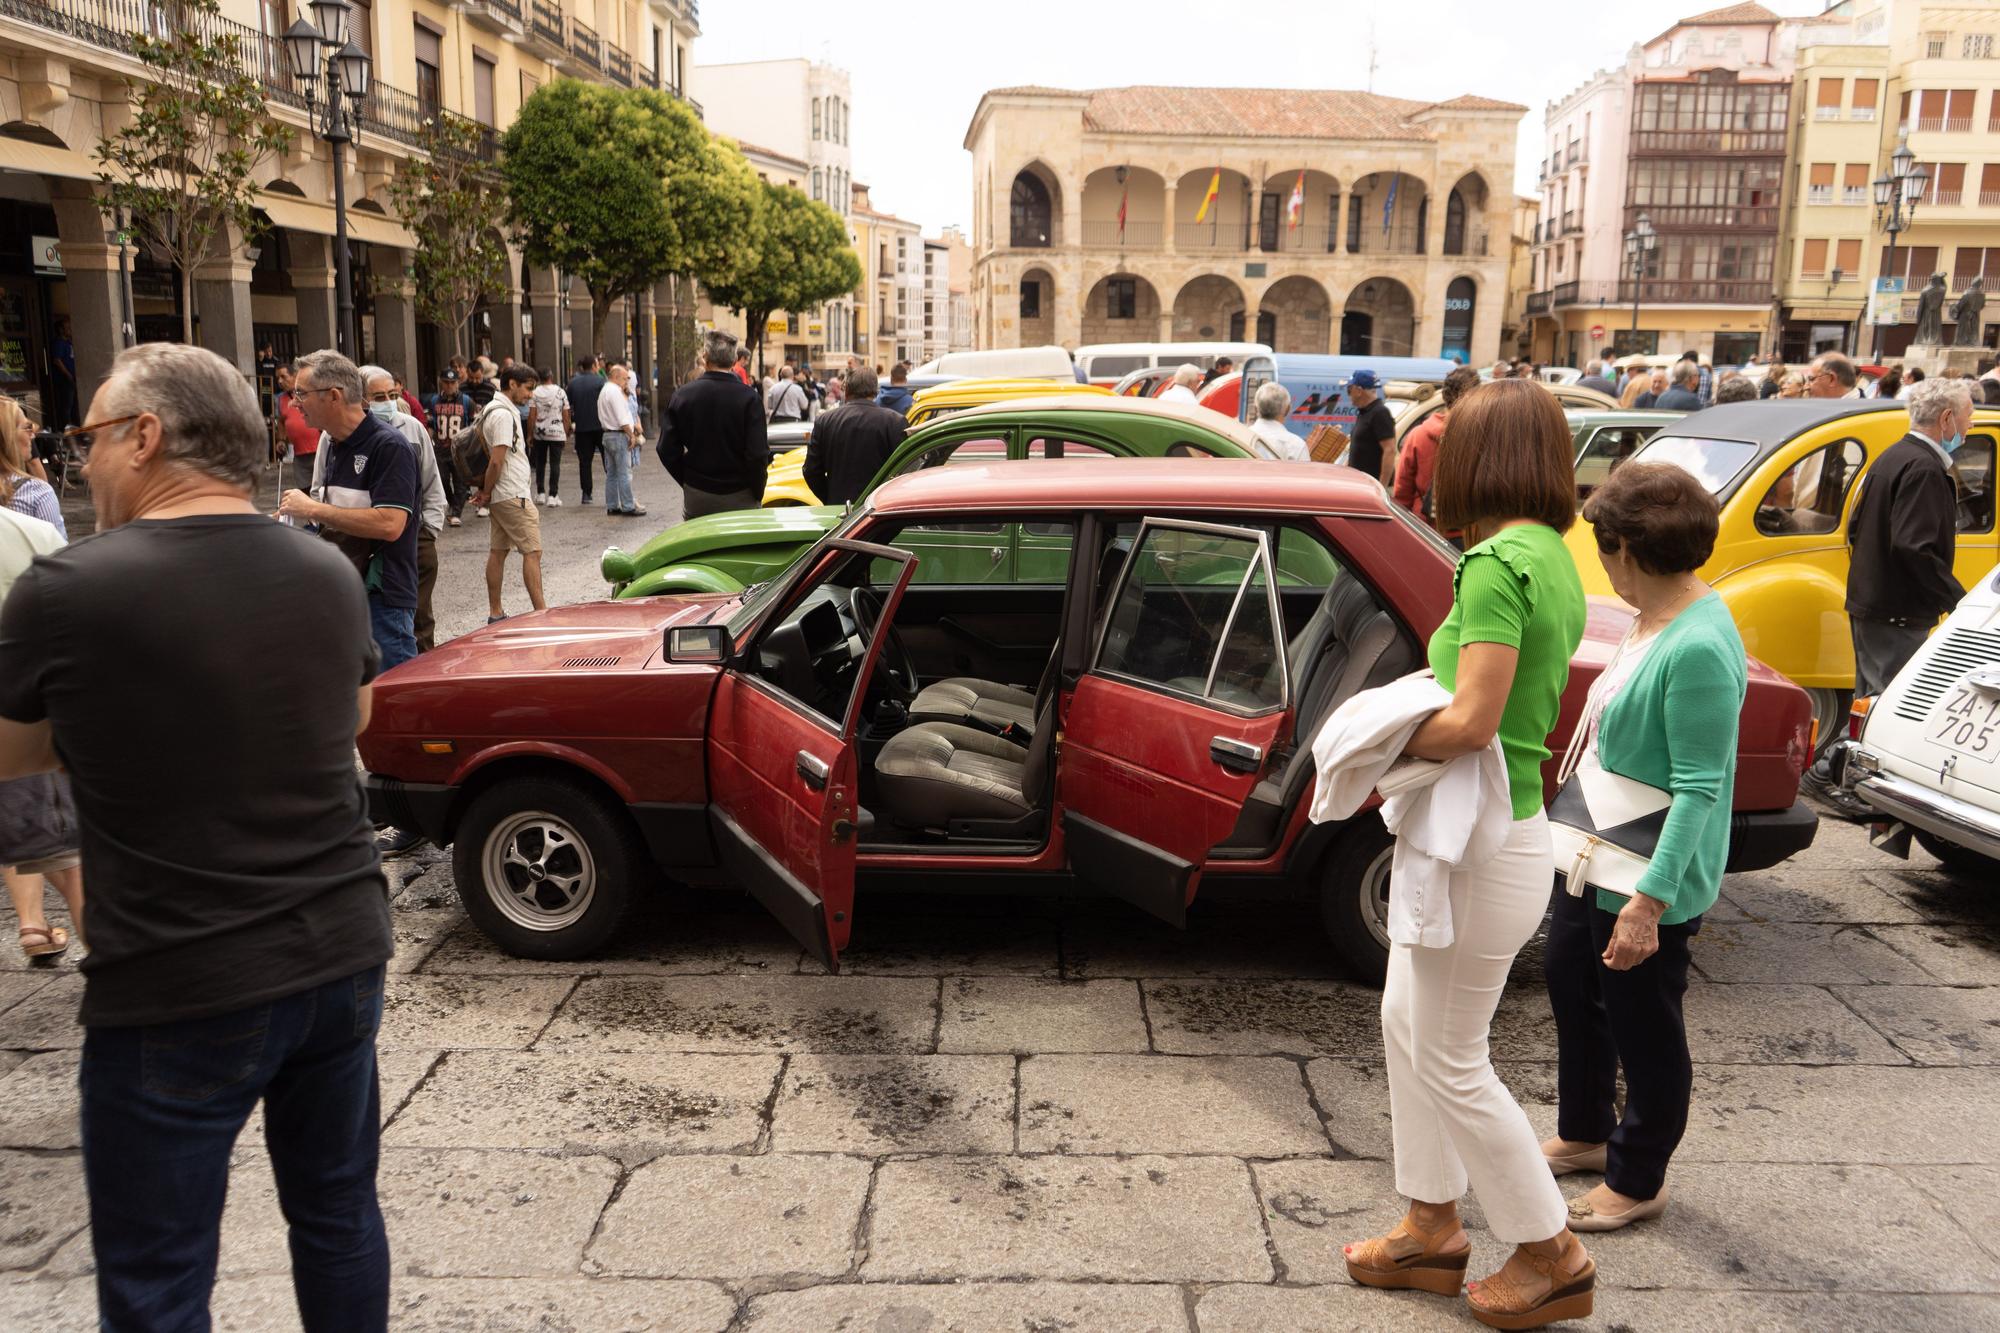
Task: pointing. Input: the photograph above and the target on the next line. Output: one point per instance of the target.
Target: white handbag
(1604, 828)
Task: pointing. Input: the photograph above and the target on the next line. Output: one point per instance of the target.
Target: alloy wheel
(539, 871)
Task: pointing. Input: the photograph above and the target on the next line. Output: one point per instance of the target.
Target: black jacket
(849, 446)
(712, 435)
(1904, 534)
(583, 390)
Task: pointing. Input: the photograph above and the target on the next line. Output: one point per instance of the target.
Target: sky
(917, 71)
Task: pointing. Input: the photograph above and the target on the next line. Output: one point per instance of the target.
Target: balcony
(1213, 236)
(1989, 198)
(1572, 224)
(1945, 198)
(546, 28)
(1566, 293)
(1698, 291)
(500, 16)
(1826, 113)
(1708, 217)
(1460, 247)
(1819, 194)
(1695, 143)
(618, 64)
(1861, 113)
(1131, 236)
(1538, 303)
(585, 44)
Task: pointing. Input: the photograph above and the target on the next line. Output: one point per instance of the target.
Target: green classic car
(1606, 439)
(727, 552)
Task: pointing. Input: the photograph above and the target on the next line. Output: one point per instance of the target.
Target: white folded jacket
(1444, 816)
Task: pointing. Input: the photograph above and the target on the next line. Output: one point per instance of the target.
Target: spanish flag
(1214, 188)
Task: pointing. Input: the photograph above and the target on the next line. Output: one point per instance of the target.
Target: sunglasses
(81, 438)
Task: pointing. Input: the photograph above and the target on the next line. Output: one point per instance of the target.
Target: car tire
(1829, 709)
(546, 867)
(1354, 897)
(1960, 860)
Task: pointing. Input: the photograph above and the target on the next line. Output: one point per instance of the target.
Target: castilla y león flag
(1208, 198)
(1297, 204)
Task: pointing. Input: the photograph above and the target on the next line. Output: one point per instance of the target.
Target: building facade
(937, 300)
(1872, 77)
(1316, 221)
(959, 334)
(63, 73)
(889, 305)
(1690, 133)
(1520, 274)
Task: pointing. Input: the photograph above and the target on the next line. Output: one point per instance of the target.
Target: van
(1318, 384)
(1107, 363)
(1024, 363)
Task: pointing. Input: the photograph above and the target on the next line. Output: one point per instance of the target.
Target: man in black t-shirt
(1371, 444)
(237, 917)
(583, 389)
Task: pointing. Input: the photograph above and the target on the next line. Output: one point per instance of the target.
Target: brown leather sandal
(54, 940)
(1507, 1301)
(1433, 1268)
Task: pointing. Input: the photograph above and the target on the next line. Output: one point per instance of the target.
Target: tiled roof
(771, 153)
(1474, 102)
(1729, 14)
(1258, 113)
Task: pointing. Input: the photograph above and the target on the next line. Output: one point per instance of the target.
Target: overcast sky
(918, 70)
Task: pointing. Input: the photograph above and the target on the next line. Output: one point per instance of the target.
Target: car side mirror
(698, 643)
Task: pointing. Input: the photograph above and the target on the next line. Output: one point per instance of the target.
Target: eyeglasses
(385, 396)
(79, 439)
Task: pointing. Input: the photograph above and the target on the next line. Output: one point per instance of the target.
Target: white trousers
(1455, 1123)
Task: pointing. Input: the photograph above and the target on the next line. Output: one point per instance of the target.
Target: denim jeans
(618, 475)
(394, 629)
(162, 1106)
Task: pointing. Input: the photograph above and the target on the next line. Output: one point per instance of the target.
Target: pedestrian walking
(1988, 384)
(371, 498)
(897, 397)
(1794, 385)
(621, 442)
(239, 922)
(743, 368)
(1663, 714)
(1506, 478)
(1656, 384)
(583, 390)
(480, 385)
(385, 402)
(506, 490)
(712, 436)
(851, 442)
(836, 389)
(1636, 386)
(1891, 383)
(1683, 393)
(1416, 466)
(1272, 403)
(1372, 451)
(549, 410)
(299, 441)
(1181, 388)
(787, 401)
(450, 412)
(20, 489)
(38, 839)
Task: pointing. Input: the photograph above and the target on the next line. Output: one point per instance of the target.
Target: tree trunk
(600, 315)
(187, 306)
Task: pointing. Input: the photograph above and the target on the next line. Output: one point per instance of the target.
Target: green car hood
(736, 548)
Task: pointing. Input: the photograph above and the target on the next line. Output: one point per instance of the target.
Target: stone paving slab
(47, 1305)
(1936, 895)
(462, 1213)
(895, 941)
(875, 1104)
(42, 1016)
(1934, 1025)
(1312, 1208)
(1355, 1098)
(1241, 1105)
(629, 1106)
(699, 940)
(971, 1307)
(1790, 1113)
(1137, 1219)
(38, 1103)
(1278, 939)
(1265, 1018)
(729, 1014)
(468, 1013)
(418, 935)
(1971, 1194)
(1021, 1014)
(1766, 1025)
(41, 1205)
(1952, 955)
(1799, 892)
(729, 1217)
(498, 1305)
(1801, 953)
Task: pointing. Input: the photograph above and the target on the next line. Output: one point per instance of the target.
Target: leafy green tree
(803, 258)
(622, 187)
(183, 166)
(450, 199)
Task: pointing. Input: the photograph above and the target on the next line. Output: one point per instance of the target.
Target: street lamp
(325, 49)
(1896, 196)
(1640, 242)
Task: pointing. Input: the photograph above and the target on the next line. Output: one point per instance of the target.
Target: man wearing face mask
(385, 404)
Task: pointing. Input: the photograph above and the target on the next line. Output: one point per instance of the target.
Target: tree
(450, 200)
(803, 258)
(622, 187)
(183, 165)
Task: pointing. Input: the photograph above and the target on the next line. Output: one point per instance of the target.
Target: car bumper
(423, 806)
(1961, 822)
(1761, 839)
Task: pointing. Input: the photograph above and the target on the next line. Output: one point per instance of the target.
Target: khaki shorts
(517, 526)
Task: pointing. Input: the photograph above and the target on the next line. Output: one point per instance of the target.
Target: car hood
(733, 530)
(594, 637)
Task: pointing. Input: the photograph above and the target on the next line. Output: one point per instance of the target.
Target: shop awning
(318, 220)
(45, 159)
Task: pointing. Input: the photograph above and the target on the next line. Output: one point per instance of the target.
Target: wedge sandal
(1430, 1269)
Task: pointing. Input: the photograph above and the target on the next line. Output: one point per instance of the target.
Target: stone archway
(1034, 209)
(1388, 213)
(1121, 307)
(1209, 309)
(1037, 308)
(1465, 216)
(1379, 319)
(1299, 314)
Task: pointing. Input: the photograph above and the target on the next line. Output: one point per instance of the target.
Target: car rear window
(1716, 464)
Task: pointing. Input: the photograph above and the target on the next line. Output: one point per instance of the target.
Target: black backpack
(469, 454)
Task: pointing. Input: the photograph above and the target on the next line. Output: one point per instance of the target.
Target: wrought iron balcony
(1538, 303)
(585, 44)
(1566, 293)
(1109, 235)
(501, 16)
(618, 64)
(546, 25)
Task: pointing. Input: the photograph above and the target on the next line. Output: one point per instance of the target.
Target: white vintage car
(1929, 754)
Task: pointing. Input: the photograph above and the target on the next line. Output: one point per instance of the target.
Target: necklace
(1667, 612)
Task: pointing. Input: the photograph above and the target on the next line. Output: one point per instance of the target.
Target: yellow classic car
(785, 482)
(1787, 472)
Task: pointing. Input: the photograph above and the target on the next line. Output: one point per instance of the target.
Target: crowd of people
(1689, 383)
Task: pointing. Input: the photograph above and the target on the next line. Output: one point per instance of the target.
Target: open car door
(781, 762)
(1172, 722)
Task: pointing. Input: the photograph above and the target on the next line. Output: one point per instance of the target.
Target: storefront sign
(47, 252)
(1459, 299)
(1885, 301)
(776, 324)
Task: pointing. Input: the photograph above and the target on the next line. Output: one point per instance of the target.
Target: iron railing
(1128, 236)
(618, 64)
(545, 20)
(1538, 303)
(1701, 142)
(1566, 293)
(583, 43)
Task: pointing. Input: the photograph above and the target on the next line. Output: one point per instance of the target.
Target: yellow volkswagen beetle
(785, 482)
(1787, 472)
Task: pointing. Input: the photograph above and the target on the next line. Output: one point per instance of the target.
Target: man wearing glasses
(1831, 375)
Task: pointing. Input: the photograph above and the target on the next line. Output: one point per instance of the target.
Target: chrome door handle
(1238, 756)
(813, 769)
(998, 553)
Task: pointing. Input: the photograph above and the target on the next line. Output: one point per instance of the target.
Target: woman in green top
(1617, 967)
(1505, 477)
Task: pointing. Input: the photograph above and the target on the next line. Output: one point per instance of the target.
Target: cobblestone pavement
(1025, 1115)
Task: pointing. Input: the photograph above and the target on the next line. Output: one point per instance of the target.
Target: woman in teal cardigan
(1617, 967)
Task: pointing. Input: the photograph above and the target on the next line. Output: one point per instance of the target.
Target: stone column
(222, 301)
(1253, 239)
(545, 313)
(96, 289)
(1068, 312)
(1332, 243)
(312, 286)
(1167, 241)
(642, 352)
(395, 347)
(506, 314)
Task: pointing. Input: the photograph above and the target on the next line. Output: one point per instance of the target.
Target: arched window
(838, 112)
(1454, 224)
(817, 112)
(1031, 221)
(817, 193)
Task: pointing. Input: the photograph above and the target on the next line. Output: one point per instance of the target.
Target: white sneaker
(555, 502)
(454, 521)
(541, 497)
(484, 512)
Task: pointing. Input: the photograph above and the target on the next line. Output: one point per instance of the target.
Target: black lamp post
(328, 51)
(1896, 196)
(1640, 243)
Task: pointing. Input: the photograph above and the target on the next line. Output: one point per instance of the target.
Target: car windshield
(1715, 463)
(758, 596)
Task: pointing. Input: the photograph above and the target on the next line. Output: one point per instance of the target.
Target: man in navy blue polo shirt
(369, 505)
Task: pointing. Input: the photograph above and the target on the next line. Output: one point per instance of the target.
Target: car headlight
(616, 566)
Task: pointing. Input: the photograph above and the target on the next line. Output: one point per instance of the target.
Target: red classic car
(1136, 721)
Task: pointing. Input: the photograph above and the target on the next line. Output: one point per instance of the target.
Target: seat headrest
(1349, 605)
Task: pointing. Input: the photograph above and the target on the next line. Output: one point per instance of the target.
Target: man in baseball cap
(1372, 448)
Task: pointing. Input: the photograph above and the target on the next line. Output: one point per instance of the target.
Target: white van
(1107, 363)
(1010, 363)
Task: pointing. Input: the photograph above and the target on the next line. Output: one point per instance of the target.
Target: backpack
(469, 454)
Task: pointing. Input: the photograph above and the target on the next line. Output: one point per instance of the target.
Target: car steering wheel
(897, 664)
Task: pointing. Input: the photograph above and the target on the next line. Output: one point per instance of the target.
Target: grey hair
(1685, 372)
(719, 349)
(862, 383)
(1273, 400)
(1928, 401)
(1735, 388)
(1593, 367)
(1187, 373)
(369, 374)
(331, 370)
(209, 419)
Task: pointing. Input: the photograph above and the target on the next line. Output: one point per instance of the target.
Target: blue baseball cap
(1365, 379)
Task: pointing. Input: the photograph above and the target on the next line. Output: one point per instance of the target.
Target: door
(781, 764)
(1171, 725)
(1267, 227)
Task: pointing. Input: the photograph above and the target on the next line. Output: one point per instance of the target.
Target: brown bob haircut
(1506, 453)
(1663, 515)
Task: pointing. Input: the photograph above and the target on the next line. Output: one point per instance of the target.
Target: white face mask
(383, 410)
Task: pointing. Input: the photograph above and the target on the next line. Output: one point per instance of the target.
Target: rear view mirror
(698, 643)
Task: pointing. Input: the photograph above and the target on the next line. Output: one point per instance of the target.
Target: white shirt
(22, 538)
(1273, 435)
(1179, 393)
(430, 486)
(614, 409)
(1631, 652)
(503, 431)
(550, 402)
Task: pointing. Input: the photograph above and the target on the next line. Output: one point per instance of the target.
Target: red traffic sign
(1597, 333)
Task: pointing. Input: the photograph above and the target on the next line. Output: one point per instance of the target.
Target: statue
(1930, 312)
(1966, 312)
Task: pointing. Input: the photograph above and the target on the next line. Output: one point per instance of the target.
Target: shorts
(517, 526)
(49, 865)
